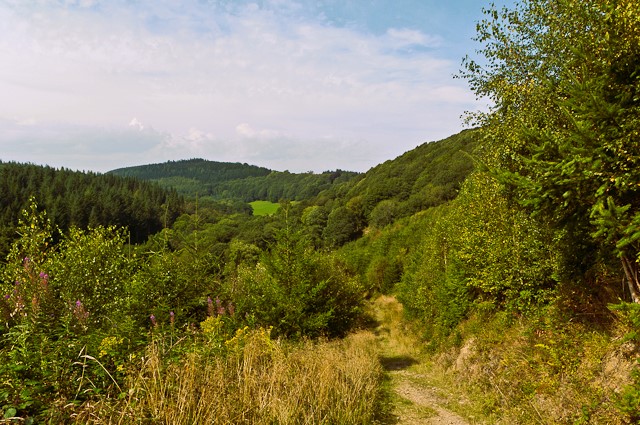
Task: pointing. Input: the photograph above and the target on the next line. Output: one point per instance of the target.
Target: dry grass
(260, 381)
(562, 375)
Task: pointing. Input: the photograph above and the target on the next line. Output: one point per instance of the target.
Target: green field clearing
(264, 207)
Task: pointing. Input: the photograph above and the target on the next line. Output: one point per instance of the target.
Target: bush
(298, 291)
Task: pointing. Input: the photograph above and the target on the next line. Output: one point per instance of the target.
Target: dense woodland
(515, 243)
(80, 199)
(235, 181)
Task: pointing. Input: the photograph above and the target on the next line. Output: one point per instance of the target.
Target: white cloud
(135, 123)
(303, 90)
(404, 37)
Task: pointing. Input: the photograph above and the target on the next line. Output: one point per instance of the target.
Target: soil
(419, 398)
(416, 400)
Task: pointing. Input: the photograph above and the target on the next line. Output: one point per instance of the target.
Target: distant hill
(223, 180)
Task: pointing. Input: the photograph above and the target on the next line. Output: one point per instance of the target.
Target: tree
(564, 77)
(342, 227)
(297, 290)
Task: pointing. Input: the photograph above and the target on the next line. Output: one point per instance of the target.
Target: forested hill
(223, 180)
(421, 178)
(196, 169)
(73, 198)
(426, 176)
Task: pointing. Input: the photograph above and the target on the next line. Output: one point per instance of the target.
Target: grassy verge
(537, 370)
(501, 368)
(258, 381)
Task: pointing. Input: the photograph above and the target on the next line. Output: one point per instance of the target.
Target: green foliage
(384, 213)
(45, 325)
(315, 219)
(221, 180)
(343, 225)
(92, 268)
(478, 249)
(432, 287)
(298, 291)
(565, 80)
(506, 255)
(629, 403)
(426, 176)
(78, 199)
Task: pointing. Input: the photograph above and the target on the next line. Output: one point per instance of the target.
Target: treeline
(235, 181)
(282, 186)
(81, 199)
(424, 177)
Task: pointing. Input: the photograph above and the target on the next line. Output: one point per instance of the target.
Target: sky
(298, 85)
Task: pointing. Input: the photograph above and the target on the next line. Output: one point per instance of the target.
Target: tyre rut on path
(415, 399)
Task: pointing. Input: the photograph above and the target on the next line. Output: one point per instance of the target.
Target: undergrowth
(539, 369)
(259, 381)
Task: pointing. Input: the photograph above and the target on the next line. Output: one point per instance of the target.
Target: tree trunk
(631, 274)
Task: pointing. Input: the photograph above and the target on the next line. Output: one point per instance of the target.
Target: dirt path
(415, 399)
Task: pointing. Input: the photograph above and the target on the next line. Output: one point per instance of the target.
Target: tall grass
(258, 381)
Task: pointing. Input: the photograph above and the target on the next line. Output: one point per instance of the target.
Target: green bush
(297, 291)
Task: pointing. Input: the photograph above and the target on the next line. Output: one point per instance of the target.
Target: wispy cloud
(273, 82)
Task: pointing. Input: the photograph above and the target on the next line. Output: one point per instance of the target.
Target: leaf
(10, 413)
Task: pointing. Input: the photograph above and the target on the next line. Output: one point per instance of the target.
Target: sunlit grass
(259, 381)
(264, 207)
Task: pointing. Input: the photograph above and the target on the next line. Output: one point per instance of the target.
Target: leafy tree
(564, 77)
(297, 290)
(505, 256)
(343, 225)
(93, 268)
(433, 287)
(384, 213)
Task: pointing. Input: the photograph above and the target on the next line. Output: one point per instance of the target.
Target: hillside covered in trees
(74, 198)
(235, 181)
(514, 248)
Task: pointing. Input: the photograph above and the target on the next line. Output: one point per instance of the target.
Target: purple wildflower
(172, 317)
(209, 306)
(153, 320)
(80, 312)
(231, 309)
(219, 307)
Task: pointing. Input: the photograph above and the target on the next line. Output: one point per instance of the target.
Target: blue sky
(301, 85)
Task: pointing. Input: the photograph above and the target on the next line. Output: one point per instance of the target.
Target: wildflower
(35, 304)
(44, 277)
(172, 317)
(231, 309)
(219, 307)
(153, 320)
(209, 306)
(80, 313)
